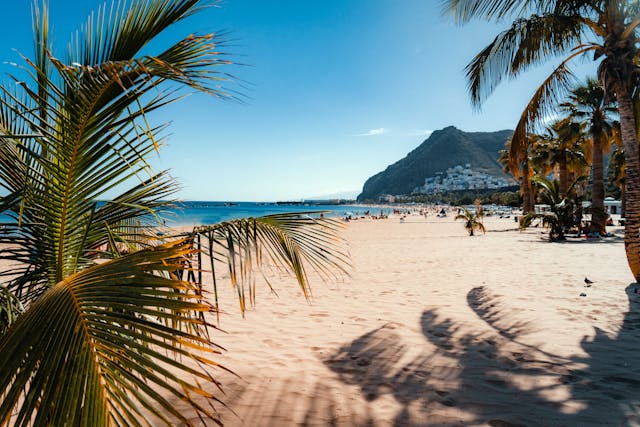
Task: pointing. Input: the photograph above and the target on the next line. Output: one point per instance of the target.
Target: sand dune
(437, 328)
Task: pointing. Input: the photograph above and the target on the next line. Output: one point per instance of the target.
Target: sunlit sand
(434, 327)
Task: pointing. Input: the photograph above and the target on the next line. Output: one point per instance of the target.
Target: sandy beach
(434, 327)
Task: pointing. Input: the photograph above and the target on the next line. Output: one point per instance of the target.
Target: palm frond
(466, 10)
(291, 241)
(471, 219)
(10, 308)
(83, 131)
(551, 189)
(525, 43)
(123, 338)
(541, 105)
(110, 343)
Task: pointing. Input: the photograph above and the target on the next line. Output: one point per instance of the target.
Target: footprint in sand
(270, 343)
(569, 379)
(319, 314)
(518, 356)
(448, 402)
(489, 354)
(498, 383)
(315, 349)
(363, 362)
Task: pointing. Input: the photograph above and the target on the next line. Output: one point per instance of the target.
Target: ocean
(204, 213)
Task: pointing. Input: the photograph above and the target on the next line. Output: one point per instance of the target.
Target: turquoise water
(203, 213)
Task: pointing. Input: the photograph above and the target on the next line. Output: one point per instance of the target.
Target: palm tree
(604, 29)
(473, 220)
(568, 151)
(90, 335)
(522, 170)
(561, 149)
(616, 173)
(563, 208)
(589, 104)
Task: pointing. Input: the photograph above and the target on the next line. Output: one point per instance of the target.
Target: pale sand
(438, 328)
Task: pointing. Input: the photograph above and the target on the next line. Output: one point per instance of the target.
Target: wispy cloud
(385, 131)
(421, 132)
(373, 132)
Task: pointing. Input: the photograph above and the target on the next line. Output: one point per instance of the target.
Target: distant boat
(230, 204)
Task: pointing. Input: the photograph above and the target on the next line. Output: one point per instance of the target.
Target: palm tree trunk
(526, 187)
(525, 198)
(526, 195)
(632, 172)
(564, 176)
(623, 200)
(532, 198)
(598, 214)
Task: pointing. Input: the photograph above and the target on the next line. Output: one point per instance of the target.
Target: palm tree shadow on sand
(496, 378)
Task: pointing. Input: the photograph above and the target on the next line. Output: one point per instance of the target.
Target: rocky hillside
(443, 149)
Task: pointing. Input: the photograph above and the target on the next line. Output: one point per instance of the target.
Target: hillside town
(461, 178)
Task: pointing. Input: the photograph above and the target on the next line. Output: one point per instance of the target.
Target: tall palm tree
(544, 154)
(589, 104)
(616, 173)
(90, 335)
(607, 30)
(566, 150)
(522, 170)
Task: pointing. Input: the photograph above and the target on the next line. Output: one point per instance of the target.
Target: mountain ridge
(443, 149)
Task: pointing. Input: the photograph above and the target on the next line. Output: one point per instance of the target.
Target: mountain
(443, 149)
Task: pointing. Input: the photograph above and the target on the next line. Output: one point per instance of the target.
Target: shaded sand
(436, 328)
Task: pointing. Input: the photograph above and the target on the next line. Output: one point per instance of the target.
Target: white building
(612, 206)
(461, 178)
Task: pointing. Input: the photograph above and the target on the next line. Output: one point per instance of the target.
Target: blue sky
(334, 91)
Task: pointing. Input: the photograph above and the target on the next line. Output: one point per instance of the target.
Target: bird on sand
(587, 282)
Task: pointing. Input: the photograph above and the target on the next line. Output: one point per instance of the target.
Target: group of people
(366, 214)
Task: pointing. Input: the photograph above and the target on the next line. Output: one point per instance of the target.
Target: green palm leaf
(109, 345)
(472, 221)
(283, 241)
(526, 42)
(465, 10)
(81, 130)
(85, 340)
